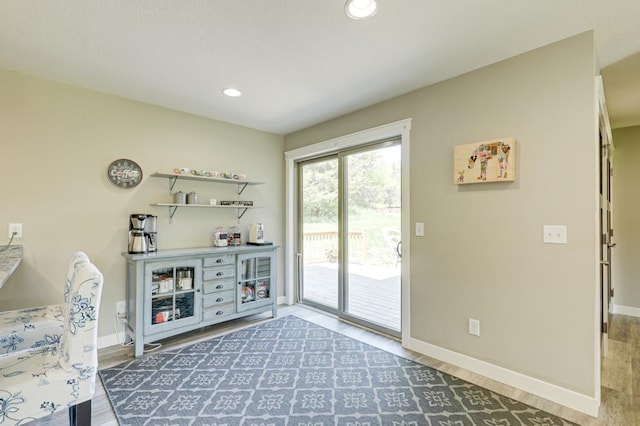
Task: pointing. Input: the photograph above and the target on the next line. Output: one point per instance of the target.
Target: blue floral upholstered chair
(30, 328)
(37, 382)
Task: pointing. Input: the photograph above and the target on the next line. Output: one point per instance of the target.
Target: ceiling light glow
(360, 9)
(230, 91)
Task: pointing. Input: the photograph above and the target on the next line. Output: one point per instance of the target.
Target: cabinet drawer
(218, 312)
(218, 298)
(228, 271)
(219, 285)
(224, 259)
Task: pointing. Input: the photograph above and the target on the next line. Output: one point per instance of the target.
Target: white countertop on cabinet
(199, 251)
(10, 258)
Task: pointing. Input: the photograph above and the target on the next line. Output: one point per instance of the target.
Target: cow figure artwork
(487, 151)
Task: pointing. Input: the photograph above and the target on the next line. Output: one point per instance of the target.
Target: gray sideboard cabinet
(170, 292)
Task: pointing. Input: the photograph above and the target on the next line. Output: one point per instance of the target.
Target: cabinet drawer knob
(219, 312)
(219, 286)
(219, 299)
(219, 274)
(219, 261)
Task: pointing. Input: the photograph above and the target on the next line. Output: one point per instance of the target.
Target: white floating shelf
(174, 177)
(173, 207)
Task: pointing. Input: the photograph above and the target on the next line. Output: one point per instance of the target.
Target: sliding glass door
(319, 198)
(350, 209)
(372, 230)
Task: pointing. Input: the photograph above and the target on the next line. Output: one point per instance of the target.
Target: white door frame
(400, 128)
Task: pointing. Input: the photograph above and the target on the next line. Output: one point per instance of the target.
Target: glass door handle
(298, 294)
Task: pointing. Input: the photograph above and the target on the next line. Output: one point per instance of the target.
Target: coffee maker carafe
(138, 242)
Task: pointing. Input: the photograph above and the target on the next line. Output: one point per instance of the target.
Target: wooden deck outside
(374, 292)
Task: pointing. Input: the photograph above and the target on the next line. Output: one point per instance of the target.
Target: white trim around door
(399, 128)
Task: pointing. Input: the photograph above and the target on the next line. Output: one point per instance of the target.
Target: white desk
(10, 258)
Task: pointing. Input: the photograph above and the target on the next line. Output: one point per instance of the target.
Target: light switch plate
(474, 327)
(555, 234)
(419, 229)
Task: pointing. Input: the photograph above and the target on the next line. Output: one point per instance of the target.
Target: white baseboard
(580, 402)
(283, 300)
(626, 310)
(108, 340)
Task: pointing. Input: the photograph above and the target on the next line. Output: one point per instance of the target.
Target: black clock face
(124, 173)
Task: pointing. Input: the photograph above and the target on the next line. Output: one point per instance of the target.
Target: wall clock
(124, 173)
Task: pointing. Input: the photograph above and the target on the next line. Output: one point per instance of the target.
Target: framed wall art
(483, 162)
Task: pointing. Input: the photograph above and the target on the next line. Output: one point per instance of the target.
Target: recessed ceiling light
(230, 91)
(360, 9)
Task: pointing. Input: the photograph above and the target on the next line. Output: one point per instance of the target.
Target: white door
(606, 223)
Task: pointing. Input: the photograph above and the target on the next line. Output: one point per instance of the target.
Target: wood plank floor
(374, 292)
(620, 371)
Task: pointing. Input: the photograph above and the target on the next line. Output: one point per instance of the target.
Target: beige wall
(56, 143)
(482, 255)
(626, 217)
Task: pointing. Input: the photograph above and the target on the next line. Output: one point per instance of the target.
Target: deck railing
(323, 247)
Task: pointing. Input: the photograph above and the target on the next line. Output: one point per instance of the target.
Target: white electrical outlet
(554, 234)
(474, 327)
(17, 228)
(121, 309)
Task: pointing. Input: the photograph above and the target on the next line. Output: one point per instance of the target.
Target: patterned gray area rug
(292, 372)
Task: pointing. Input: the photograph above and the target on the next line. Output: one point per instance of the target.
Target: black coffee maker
(138, 240)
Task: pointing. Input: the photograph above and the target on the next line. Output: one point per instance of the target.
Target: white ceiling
(622, 91)
(297, 62)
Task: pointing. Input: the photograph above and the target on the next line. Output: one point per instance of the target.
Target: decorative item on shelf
(262, 290)
(124, 173)
(192, 198)
(209, 173)
(496, 160)
(234, 237)
(185, 279)
(220, 237)
(247, 294)
(180, 197)
(166, 285)
(236, 203)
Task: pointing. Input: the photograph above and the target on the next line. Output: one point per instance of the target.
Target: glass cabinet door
(254, 280)
(171, 299)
